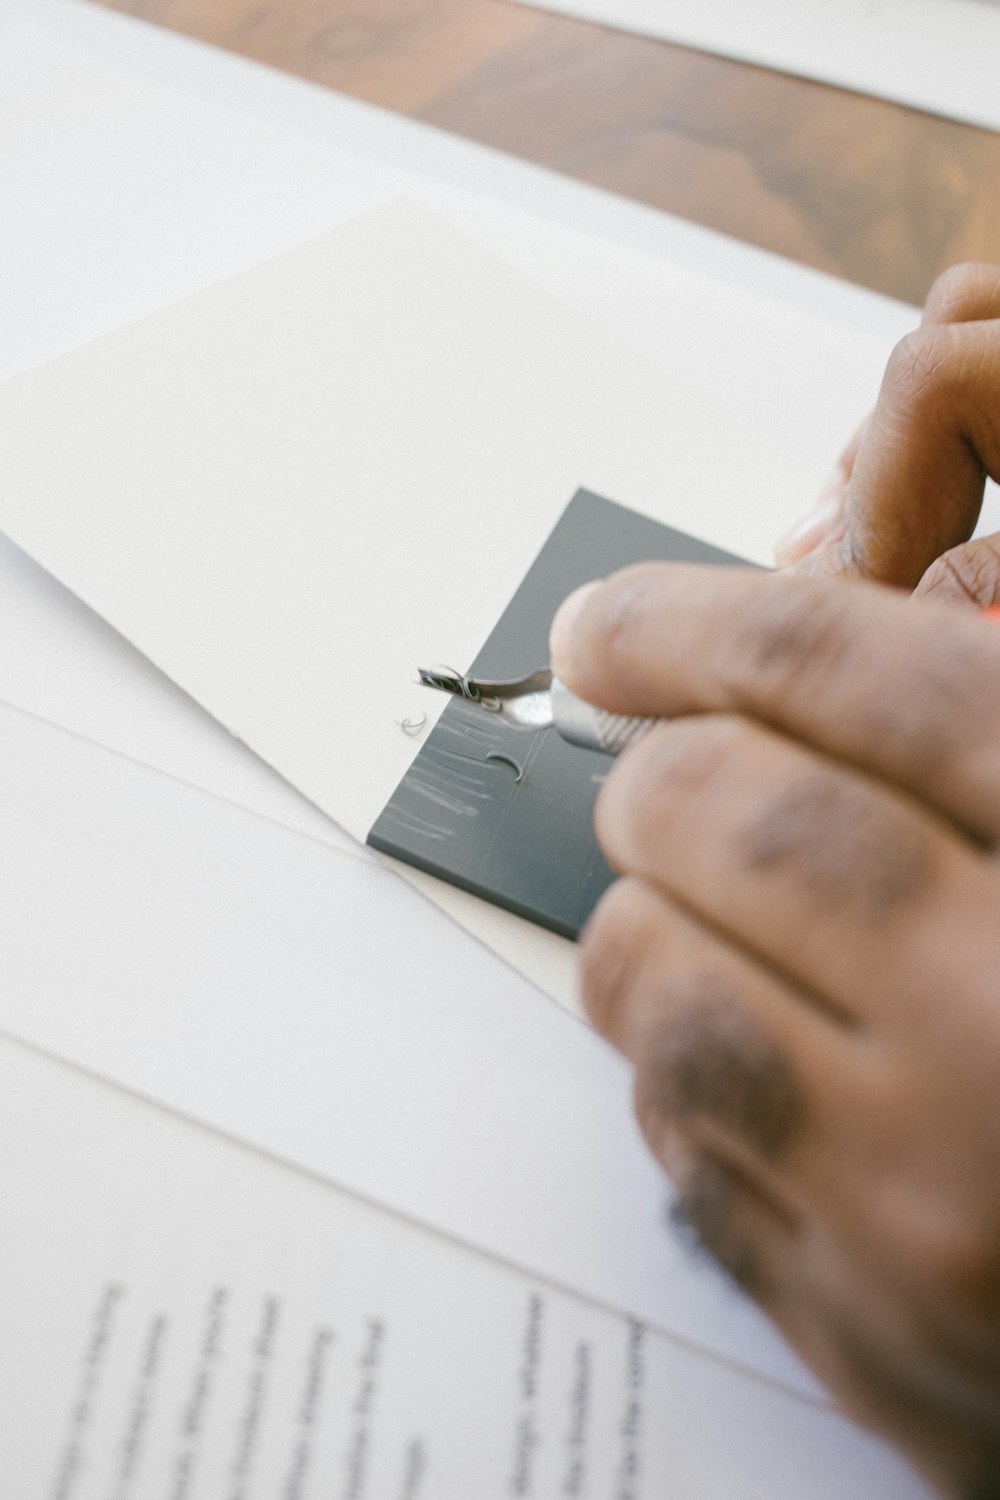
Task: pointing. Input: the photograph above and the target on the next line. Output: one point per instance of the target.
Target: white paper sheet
(789, 352)
(225, 1326)
(258, 981)
(290, 489)
(933, 55)
(63, 663)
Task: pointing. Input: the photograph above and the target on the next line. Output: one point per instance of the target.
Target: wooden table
(879, 194)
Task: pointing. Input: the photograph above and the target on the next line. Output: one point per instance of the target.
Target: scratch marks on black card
(507, 812)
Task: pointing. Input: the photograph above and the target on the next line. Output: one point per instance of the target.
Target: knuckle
(968, 574)
(707, 1215)
(849, 849)
(796, 637)
(706, 1059)
(918, 366)
(959, 293)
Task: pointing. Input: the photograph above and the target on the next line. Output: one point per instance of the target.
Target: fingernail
(813, 528)
(564, 625)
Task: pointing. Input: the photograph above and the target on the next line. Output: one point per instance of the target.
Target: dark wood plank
(864, 189)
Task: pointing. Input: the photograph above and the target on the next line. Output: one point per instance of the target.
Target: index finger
(912, 696)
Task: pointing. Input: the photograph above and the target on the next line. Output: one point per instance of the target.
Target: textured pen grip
(583, 724)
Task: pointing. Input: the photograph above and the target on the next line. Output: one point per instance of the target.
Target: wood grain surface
(884, 196)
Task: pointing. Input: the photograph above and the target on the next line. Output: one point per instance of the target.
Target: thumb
(911, 485)
(917, 483)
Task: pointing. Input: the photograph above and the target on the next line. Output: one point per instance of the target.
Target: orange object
(993, 613)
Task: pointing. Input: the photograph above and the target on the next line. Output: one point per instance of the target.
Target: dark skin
(802, 957)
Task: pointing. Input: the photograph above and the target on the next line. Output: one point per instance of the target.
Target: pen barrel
(582, 724)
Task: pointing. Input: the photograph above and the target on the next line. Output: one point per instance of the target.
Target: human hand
(907, 492)
(802, 960)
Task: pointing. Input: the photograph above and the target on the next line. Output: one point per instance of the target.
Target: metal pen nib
(540, 701)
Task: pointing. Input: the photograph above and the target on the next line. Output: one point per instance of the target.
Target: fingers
(917, 484)
(725, 1049)
(758, 1101)
(725, 1057)
(911, 486)
(805, 1137)
(854, 896)
(911, 695)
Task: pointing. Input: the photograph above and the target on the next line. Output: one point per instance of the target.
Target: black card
(459, 812)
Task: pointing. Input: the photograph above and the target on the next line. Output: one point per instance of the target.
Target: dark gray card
(527, 845)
